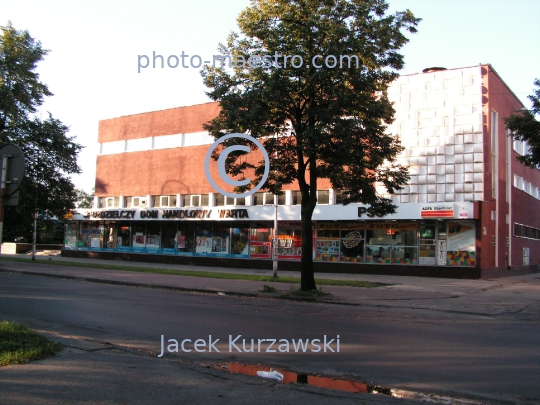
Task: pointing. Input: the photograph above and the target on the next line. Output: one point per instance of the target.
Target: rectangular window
(164, 201)
(195, 200)
(323, 197)
(134, 202)
(110, 202)
(257, 199)
(220, 200)
(296, 198)
(268, 199)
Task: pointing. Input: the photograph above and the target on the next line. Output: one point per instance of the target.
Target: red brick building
(468, 210)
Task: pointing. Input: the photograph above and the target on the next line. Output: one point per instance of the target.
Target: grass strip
(207, 274)
(19, 344)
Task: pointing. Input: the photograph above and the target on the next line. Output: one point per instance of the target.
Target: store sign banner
(437, 211)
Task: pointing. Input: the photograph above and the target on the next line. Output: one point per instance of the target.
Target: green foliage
(268, 289)
(18, 344)
(525, 127)
(84, 200)
(51, 155)
(314, 122)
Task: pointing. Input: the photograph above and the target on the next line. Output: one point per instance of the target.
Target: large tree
(319, 117)
(51, 155)
(525, 127)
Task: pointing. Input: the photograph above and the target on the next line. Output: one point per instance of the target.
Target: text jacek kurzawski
(238, 344)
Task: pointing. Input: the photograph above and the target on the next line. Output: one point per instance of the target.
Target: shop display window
(91, 235)
(110, 235)
(392, 243)
(221, 238)
(289, 242)
(461, 243)
(240, 241)
(70, 235)
(153, 236)
(138, 236)
(203, 238)
(260, 240)
(340, 241)
(327, 246)
(185, 238)
(168, 237)
(352, 245)
(123, 238)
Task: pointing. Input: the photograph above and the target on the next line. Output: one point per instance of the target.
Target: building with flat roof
(466, 211)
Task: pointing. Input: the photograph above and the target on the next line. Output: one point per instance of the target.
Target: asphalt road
(446, 353)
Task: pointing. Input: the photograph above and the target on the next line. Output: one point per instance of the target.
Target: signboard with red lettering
(437, 211)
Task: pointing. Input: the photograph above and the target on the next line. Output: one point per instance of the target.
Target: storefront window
(260, 240)
(391, 242)
(110, 235)
(203, 238)
(91, 236)
(352, 245)
(70, 235)
(340, 241)
(221, 243)
(185, 238)
(123, 238)
(153, 237)
(168, 236)
(138, 236)
(461, 243)
(289, 241)
(404, 246)
(327, 245)
(240, 241)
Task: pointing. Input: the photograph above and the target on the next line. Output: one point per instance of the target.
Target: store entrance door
(427, 243)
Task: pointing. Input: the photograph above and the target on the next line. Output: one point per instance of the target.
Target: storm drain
(342, 384)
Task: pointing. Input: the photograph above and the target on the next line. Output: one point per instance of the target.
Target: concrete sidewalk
(514, 296)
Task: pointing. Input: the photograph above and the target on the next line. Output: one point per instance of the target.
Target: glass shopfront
(424, 242)
(367, 242)
(339, 241)
(289, 240)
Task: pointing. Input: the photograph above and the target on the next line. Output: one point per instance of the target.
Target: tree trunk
(308, 276)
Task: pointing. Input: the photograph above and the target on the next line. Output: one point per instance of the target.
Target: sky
(92, 66)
